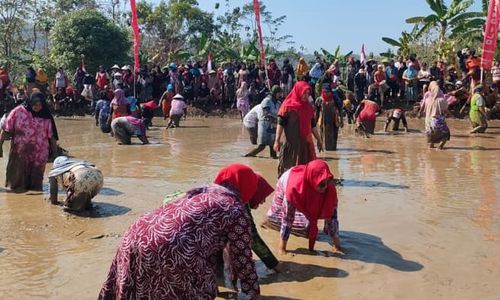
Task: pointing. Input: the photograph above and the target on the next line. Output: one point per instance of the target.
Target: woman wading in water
(330, 118)
(435, 107)
(30, 128)
(296, 121)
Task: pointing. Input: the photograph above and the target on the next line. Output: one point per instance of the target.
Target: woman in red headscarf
(296, 120)
(329, 117)
(239, 175)
(304, 194)
(170, 252)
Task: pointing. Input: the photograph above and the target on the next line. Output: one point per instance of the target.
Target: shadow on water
(366, 150)
(371, 249)
(467, 136)
(109, 192)
(293, 271)
(369, 183)
(193, 126)
(478, 148)
(102, 210)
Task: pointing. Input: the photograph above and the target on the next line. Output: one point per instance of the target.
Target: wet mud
(415, 223)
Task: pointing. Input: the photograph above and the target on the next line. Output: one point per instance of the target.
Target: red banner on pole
(135, 28)
(256, 8)
(490, 34)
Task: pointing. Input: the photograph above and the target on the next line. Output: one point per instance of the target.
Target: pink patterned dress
(171, 252)
(289, 220)
(29, 149)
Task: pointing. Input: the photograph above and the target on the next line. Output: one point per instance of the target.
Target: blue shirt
(103, 109)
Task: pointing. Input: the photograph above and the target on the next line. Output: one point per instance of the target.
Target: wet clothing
(368, 115)
(125, 127)
(29, 149)
(477, 118)
(297, 119)
(170, 253)
(295, 149)
(288, 220)
(250, 122)
(80, 180)
(329, 122)
(166, 103)
(102, 111)
(435, 123)
(397, 115)
(267, 117)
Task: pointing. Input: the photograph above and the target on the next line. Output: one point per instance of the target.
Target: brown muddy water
(415, 223)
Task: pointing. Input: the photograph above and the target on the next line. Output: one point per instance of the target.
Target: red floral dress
(29, 150)
(171, 252)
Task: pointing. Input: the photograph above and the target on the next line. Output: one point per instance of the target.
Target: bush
(90, 33)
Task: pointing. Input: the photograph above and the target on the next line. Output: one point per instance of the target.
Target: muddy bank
(415, 223)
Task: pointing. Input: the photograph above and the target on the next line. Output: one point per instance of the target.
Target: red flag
(135, 28)
(256, 8)
(490, 34)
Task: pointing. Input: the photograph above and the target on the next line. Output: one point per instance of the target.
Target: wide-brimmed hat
(178, 97)
(126, 68)
(115, 67)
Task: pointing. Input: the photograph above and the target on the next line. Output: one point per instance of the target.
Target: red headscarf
(327, 97)
(252, 187)
(302, 194)
(303, 108)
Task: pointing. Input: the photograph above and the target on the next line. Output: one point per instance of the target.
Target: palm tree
(445, 18)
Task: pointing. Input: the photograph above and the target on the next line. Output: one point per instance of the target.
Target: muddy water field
(415, 223)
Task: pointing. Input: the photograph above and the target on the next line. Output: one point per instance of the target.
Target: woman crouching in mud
(171, 252)
(81, 181)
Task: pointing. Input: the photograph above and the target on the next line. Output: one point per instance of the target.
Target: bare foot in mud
(432, 146)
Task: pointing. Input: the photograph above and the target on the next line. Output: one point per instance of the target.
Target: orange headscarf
(302, 67)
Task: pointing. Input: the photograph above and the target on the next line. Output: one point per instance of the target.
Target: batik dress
(171, 252)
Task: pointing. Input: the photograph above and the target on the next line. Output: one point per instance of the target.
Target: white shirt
(252, 117)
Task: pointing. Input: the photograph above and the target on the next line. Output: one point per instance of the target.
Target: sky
(326, 24)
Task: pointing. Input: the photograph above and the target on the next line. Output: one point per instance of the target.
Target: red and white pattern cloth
(31, 137)
(170, 253)
(282, 214)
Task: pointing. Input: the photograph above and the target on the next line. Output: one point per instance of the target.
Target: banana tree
(404, 42)
(471, 30)
(444, 18)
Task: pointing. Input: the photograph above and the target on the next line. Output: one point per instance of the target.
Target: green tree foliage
(90, 33)
(13, 15)
(445, 18)
(171, 29)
